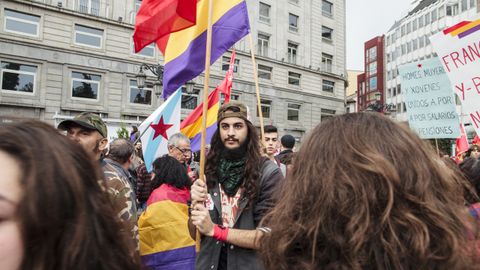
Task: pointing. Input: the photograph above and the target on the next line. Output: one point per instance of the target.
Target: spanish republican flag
(165, 243)
(157, 18)
(192, 125)
(184, 51)
(461, 145)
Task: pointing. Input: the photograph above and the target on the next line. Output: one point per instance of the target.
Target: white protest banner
(458, 48)
(429, 100)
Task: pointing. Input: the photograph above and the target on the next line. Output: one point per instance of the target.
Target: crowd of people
(362, 192)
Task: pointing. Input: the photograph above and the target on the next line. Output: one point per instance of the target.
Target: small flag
(158, 127)
(192, 125)
(226, 85)
(461, 145)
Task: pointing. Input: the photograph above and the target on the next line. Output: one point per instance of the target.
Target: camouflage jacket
(122, 196)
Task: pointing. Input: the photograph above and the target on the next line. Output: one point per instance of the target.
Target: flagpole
(205, 105)
(257, 88)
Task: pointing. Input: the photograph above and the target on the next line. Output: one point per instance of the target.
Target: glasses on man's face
(184, 151)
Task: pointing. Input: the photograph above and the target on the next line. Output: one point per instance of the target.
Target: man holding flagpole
(241, 185)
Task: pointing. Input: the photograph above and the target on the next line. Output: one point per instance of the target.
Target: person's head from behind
(121, 151)
(168, 170)
(270, 140)
(179, 147)
(470, 167)
(89, 130)
(53, 212)
(369, 194)
(287, 141)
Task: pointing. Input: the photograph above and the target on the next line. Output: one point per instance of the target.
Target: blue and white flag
(158, 127)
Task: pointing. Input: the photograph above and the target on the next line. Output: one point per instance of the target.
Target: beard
(235, 153)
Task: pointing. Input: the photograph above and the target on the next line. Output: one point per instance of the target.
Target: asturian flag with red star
(158, 127)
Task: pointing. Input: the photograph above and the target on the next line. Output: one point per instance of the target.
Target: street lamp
(157, 70)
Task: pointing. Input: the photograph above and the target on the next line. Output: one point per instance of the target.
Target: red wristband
(220, 233)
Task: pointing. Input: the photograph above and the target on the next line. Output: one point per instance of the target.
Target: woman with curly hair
(367, 193)
(54, 213)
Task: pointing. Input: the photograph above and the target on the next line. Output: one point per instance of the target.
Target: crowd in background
(362, 192)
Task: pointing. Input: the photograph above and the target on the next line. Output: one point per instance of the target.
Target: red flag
(226, 85)
(461, 145)
(157, 18)
(476, 140)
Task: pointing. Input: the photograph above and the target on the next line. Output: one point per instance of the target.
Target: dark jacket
(282, 154)
(247, 219)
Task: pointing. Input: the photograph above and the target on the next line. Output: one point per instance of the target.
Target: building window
(427, 19)
(373, 83)
(409, 47)
(138, 96)
(89, 6)
(85, 85)
(266, 107)
(189, 101)
(372, 68)
(326, 113)
(420, 22)
(403, 30)
(292, 22)
(264, 12)
(232, 97)
(409, 27)
(327, 8)
(372, 52)
(226, 64)
(328, 86)
(452, 10)
(293, 112)
(294, 78)
(21, 23)
(414, 25)
(263, 41)
(88, 36)
(421, 42)
(464, 5)
(327, 33)
(292, 53)
(138, 3)
(441, 12)
(327, 62)
(414, 44)
(294, 1)
(148, 51)
(264, 72)
(434, 15)
(18, 77)
(472, 3)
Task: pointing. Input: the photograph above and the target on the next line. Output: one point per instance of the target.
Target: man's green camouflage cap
(232, 109)
(87, 120)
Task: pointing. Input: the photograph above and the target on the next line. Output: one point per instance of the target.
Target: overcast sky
(367, 19)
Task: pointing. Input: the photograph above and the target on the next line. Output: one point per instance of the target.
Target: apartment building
(62, 57)
(408, 39)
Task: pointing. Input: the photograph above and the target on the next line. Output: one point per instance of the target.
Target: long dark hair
(66, 219)
(367, 193)
(170, 171)
(252, 166)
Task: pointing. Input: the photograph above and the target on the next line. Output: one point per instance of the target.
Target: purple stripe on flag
(469, 31)
(176, 259)
(196, 141)
(229, 29)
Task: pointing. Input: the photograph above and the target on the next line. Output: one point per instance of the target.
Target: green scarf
(230, 174)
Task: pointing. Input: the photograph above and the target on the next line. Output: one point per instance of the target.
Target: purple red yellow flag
(192, 125)
(184, 51)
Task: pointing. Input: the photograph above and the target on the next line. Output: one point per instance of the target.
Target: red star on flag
(419, 65)
(160, 129)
